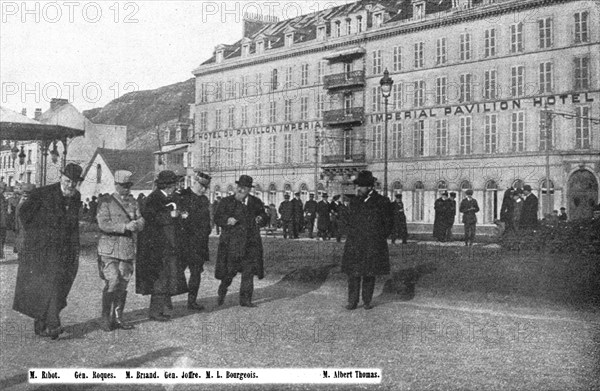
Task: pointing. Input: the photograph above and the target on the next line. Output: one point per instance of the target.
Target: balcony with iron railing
(344, 117)
(345, 80)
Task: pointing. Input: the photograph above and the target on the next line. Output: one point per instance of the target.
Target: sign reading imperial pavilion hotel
(487, 94)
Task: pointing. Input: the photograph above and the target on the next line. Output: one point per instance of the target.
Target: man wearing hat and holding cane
(366, 255)
(240, 247)
(118, 219)
(158, 271)
(194, 230)
(49, 258)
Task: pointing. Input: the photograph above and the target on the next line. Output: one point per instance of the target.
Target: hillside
(143, 111)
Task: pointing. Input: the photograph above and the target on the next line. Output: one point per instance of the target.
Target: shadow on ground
(401, 287)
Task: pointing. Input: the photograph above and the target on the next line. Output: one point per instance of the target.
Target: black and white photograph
(299, 195)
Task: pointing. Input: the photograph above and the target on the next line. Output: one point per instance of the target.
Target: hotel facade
(486, 95)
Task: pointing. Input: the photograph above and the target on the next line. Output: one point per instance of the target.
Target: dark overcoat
(324, 219)
(370, 222)
(286, 210)
(529, 213)
(400, 229)
(157, 248)
(195, 229)
(469, 209)
(297, 210)
(49, 258)
(440, 222)
(240, 244)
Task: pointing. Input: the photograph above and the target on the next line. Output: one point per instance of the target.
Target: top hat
(469, 192)
(245, 181)
(166, 177)
(123, 177)
(73, 172)
(526, 188)
(365, 178)
(202, 178)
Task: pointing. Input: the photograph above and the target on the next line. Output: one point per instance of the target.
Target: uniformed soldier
(118, 219)
(310, 211)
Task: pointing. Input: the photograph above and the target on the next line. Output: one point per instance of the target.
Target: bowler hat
(202, 178)
(73, 172)
(245, 181)
(526, 188)
(123, 177)
(166, 177)
(365, 178)
(469, 192)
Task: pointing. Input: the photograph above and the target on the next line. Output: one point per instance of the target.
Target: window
(491, 202)
(99, 173)
(465, 46)
(545, 78)
(489, 84)
(545, 33)
(320, 71)
(376, 70)
(582, 73)
(440, 90)
(348, 26)
(337, 29)
(376, 99)
(320, 105)
(289, 71)
(582, 127)
(272, 142)
(377, 19)
(230, 153)
(243, 152)
(377, 141)
(517, 132)
(304, 147)
(359, 24)
(440, 57)
(516, 38)
(259, 86)
(287, 110)
(258, 150)
(231, 117)
(274, 83)
(419, 202)
(260, 47)
(419, 138)
(466, 87)
(397, 96)
(547, 197)
(490, 43)
(218, 123)
(348, 103)
(203, 93)
(289, 39)
(396, 140)
(465, 136)
(397, 63)
(304, 75)
(464, 186)
(304, 108)
(419, 97)
(230, 89)
(546, 130)
(321, 33)
(203, 121)
(347, 144)
(244, 116)
(272, 112)
(219, 56)
(581, 27)
(419, 62)
(491, 133)
(441, 137)
(258, 114)
(245, 50)
(517, 81)
(287, 148)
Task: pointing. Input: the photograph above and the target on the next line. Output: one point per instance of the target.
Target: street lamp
(386, 88)
(14, 152)
(54, 153)
(22, 156)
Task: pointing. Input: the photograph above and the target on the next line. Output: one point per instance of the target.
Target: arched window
(396, 188)
(287, 188)
(272, 193)
(546, 197)
(419, 202)
(464, 186)
(491, 202)
(304, 192)
(518, 184)
(99, 173)
(441, 186)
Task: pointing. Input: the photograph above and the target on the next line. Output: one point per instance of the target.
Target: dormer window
(260, 47)
(348, 26)
(419, 10)
(359, 24)
(245, 50)
(378, 19)
(219, 56)
(337, 28)
(321, 33)
(289, 39)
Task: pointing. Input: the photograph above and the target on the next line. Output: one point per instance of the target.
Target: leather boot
(191, 303)
(222, 293)
(107, 302)
(119, 300)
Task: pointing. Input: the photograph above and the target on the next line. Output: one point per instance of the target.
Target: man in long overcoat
(195, 229)
(49, 260)
(469, 208)
(324, 218)
(287, 215)
(450, 216)
(26, 189)
(240, 247)
(370, 222)
(440, 222)
(310, 213)
(298, 215)
(529, 214)
(158, 270)
(118, 219)
(400, 230)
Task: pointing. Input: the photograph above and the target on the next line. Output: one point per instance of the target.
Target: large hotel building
(487, 94)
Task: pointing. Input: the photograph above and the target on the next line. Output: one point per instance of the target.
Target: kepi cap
(123, 177)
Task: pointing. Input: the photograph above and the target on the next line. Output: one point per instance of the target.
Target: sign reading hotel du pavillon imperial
(280, 128)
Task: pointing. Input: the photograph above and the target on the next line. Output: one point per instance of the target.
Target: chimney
(55, 103)
(24, 112)
(38, 114)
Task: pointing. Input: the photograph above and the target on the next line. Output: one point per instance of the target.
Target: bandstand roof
(15, 126)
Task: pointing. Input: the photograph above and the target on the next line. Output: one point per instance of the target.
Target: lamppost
(386, 88)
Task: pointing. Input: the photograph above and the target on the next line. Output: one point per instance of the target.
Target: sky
(92, 52)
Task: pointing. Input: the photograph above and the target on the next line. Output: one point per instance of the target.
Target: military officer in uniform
(118, 219)
(310, 212)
